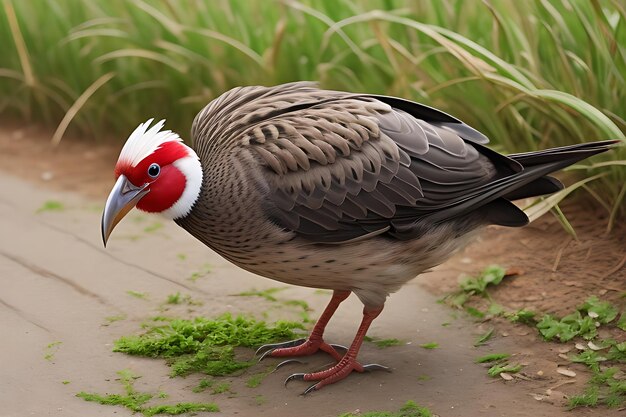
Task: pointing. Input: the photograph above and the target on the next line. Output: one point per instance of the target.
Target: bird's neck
(229, 211)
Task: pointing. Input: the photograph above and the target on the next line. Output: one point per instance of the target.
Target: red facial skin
(165, 189)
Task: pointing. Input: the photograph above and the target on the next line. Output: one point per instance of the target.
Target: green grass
(499, 368)
(137, 294)
(604, 355)
(492, 357)
(178, 298)
(113, 319)
(51, 205)
(51, 350)
(203, 272)
(203, 385)
(204, 345)
(153, 227)
(385, 343)
(409, 409)
(581, 323)
(136, 401)
(470, 286)
(529, 74)
(269, 295)
(484, 338)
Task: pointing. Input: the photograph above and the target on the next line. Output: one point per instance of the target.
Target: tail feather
(573, 153)
(540, 186)
(532, 180)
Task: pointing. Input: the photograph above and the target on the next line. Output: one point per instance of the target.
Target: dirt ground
(58, 284)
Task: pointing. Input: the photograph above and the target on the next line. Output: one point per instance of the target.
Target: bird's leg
(348, 363)
(315, 340)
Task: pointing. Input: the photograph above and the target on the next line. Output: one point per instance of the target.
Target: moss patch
(204, 345)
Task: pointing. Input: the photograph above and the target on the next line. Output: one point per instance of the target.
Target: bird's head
(155, 172)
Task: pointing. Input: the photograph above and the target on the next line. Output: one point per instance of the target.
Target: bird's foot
(334, 374)
(300, 347)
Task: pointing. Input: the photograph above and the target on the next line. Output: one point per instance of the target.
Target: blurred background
(529, 74)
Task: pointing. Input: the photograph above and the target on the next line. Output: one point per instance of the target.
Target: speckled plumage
(348, 191)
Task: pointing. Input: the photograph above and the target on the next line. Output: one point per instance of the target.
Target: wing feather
(339, 166)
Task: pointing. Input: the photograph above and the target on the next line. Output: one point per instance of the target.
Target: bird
(350, 192)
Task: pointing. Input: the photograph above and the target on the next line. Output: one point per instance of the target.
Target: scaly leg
(315, 342)
(348, 363)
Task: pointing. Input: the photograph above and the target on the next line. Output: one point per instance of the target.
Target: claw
(287, 362)
(340, 347)
(272, 346)
(309, 389)
(266, 354)
(375, 367)
(299, 377)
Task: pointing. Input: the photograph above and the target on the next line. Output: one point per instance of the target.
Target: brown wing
(341, 166)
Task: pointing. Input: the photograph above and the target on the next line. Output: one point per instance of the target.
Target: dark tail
(493, 200)
(539, 163)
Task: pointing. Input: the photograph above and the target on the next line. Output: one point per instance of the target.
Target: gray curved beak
(123, 197)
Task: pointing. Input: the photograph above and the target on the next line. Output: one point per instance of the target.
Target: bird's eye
(154, 170)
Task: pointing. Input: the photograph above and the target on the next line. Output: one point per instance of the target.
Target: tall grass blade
(78, 104)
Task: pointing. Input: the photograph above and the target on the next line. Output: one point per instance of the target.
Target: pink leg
(315, 341)
(348, 363)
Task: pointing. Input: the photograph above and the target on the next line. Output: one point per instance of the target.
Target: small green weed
(137, 294)
(221, 388)
(601, 311)
(179, 298)
(174, 299)
(113, 319)
(135, 401)
(256, 379)
(431, 345)
(499, 364)
(580, 323)
(203, 272)
(484, 338)
(589, 398)
(498, 368)
(492, 275)
(155, 226)
(522, 316)
(471, 286)
(409, 409)
(492, 357)
(203, 385)
(267, 294)
(51, 205)
(383, 343)
(51, 350)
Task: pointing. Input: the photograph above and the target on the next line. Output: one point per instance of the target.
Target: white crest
(143, 142)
